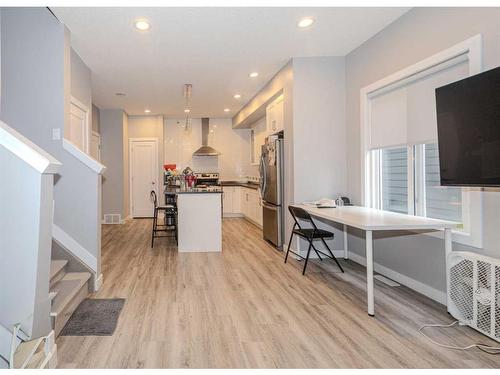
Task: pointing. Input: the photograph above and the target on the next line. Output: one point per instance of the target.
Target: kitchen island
(199, 221)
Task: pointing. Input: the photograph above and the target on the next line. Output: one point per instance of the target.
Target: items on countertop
(330, 203)
(171, 190)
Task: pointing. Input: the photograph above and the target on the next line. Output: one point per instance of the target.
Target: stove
(206, 179)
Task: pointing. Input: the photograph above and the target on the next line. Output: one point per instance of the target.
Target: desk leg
(447, 251)
(369, 273)
(346, 253)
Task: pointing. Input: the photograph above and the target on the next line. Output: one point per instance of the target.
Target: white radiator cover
(474, 291)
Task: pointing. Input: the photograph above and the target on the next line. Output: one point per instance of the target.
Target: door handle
(273, 208)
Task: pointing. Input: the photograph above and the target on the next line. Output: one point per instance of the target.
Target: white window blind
(394, 165)
(388, 119)
(404, 113)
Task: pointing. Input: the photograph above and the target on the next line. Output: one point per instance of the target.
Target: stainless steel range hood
(205, 149)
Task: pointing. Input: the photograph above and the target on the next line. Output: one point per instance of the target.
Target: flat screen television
(468, 124)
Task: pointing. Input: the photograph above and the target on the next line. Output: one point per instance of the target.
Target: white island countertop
(199, 219)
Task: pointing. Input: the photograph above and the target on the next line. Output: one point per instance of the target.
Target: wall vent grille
(112, 219)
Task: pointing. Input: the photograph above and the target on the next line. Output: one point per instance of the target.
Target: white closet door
(78, 127)
(143, 176)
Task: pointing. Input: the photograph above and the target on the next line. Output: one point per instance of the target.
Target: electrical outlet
(56, 134)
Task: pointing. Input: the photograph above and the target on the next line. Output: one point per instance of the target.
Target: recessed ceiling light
(120, 94)
(142, 25)
(226, 109)
(187, 110)
(253, 74)
(237, 96)
(305, 22)
(147, 111)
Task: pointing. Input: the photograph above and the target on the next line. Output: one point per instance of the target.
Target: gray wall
(416, 35)
(112, 155)
(319, 147)
(96, 114)
(319, 127)
(35, 99)
(81, 81)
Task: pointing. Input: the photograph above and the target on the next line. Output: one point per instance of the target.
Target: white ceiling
(214, 49)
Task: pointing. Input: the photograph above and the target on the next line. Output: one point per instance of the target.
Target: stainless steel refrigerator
(271, 186)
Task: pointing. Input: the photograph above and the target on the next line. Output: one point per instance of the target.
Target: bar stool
(309, 234)
(169, 219)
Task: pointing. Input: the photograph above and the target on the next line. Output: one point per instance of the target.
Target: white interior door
(143, 175)
(78, 126)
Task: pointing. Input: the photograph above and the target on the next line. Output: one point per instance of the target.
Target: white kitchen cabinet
(275, 116)
(251, 206)
(231, 201)
(242, 201)
(227, 199)
(237, 200)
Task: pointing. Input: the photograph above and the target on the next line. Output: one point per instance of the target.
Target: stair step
(71, 290)
(25, 351)
(57, 270)
(37, 360)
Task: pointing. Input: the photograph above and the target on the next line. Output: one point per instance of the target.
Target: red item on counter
(172, 167)
(191, 180)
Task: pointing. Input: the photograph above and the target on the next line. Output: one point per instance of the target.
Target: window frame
(472, 200)
(470, 234)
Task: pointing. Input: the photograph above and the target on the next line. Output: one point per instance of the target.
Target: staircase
(67, 291)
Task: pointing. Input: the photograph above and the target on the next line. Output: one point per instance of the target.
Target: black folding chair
(309, 234)
(169, 218)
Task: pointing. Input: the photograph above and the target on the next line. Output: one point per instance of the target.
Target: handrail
(27, 151)
(77, 250)
(83, 157)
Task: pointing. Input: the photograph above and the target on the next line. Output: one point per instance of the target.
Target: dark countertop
(177, 190)
(239, 183)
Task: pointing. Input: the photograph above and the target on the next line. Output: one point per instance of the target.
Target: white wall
(234, 146)
(418, 34)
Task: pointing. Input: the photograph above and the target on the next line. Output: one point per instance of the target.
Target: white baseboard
(413, 284)
(227, 214)
(98, 282)
(416, 285)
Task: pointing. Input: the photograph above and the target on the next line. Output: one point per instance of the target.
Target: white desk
(369, 220)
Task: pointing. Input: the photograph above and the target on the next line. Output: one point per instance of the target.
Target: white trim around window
(469, 50)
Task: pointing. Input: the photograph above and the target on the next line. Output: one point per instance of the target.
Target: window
(406, 180)
(440, 202)
(400, 165)
(410, 183)
(394, 170)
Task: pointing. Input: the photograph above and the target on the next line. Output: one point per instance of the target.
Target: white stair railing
(26, 195)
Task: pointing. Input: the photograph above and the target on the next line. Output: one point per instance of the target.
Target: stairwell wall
(36, 92)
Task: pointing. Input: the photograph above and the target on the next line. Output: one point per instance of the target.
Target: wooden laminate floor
(246, 308)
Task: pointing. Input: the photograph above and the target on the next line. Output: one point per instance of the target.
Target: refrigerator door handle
(263, 172)
(271, 207)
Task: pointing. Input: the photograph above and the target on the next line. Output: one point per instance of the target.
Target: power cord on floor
(483, 347)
